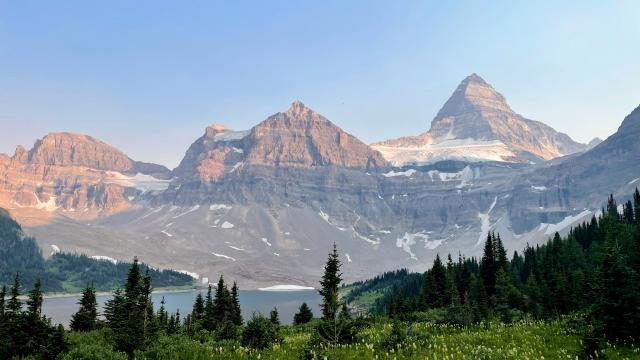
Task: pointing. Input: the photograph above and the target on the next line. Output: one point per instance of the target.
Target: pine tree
(34, 302)
(329, 284)
(57, 344)
(503, 291)
(488, 266)
(197, 314)
(209, 318)
(435, 286)
(222, 303)
(87, 316)
(274, 317)
(235, 302)
(14, 306)
(163, 316)
(304, 315)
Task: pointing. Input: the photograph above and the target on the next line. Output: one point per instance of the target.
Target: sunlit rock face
(477, 124)
(71, 173)
(265, 205)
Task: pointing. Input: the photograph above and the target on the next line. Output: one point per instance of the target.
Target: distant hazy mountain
(477, 124)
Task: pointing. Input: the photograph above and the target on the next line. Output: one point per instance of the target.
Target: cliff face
(299, 137)
(476, 123)
(74, 173)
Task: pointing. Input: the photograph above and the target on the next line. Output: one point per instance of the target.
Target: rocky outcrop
(299, 137)
(476, 123)
(74, 173)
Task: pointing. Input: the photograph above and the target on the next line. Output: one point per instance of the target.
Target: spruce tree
(14, 306)
(235, 302)
(163, 316)
(329, 285)
(197, 314)
(274, 317)
(87, 316)
(304, 314)
(34, 302)
(488, 266)
(209, 318)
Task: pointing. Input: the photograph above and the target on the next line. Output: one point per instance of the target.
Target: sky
(148, 76)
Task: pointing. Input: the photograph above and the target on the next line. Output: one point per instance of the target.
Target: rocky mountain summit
(297, 138)
(263, 206)
(74, 173)
(477, 124)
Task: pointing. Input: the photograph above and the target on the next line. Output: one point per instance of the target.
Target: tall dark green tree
(329, 285)
(86, 318)
(274, 317)
(304, 315)
(209, 319)
(235, 302)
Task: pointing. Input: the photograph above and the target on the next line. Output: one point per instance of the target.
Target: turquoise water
(60, 309)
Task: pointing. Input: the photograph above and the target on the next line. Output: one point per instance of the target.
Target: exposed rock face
(69, 172)
(264, 206)
(299, 137)
(476, 123)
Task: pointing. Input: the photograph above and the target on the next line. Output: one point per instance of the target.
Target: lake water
(60, 309)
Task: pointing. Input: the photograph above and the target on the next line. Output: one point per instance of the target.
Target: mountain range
(263, 206)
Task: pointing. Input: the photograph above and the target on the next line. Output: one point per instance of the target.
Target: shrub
(260, 333)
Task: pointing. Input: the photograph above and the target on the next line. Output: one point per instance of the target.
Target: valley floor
(523, 340)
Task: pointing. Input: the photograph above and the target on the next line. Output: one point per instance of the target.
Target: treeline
(64, 272)
(594, 271)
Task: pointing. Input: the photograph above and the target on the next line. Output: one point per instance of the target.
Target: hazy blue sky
(148, 76)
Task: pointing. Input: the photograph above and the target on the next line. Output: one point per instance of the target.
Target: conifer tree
(235, 302)
(488, 266)
(87, 316)
(221, 301)
(34, 302)
(329, 284)
(14, 306)
(209, 321)
(274, 317)
(163, 316)
(197, 314)
(304, 314)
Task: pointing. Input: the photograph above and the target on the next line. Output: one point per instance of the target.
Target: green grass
(523, 340)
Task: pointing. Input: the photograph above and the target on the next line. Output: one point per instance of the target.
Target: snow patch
(223, 256)
(55, 249)
(214, 207)
(485, 222)
(192, 274)
(465, 176)
(236, 248)
(105, 258)
(276, 254)
(194, 208)
(166, 233)
(406, 173)
(348, 257)
(264, 240)
(236, 166)
(539, 188)
(231, 135)
(634, 181)
(286, 288)
(566, 222)
(49, 205)
(227, 225)
(236, 150)
(405, 243)
(139, 181)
